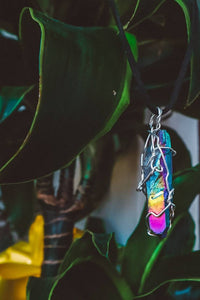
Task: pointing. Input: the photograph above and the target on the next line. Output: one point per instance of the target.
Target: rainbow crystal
(159, 183)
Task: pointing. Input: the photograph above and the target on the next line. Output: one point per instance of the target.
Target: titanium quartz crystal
(156, 182)
(159, 185)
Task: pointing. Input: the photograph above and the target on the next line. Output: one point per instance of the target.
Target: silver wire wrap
(153, 141)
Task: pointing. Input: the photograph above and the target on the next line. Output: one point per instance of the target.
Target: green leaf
(188, 6)
(177, 268)
(186, 185)
(142, 250)
(90, 245)
(89, 254)
(102, 282)
(39, 288)
(83, 88)
(137, 253)
(162, 248)
(181, 239)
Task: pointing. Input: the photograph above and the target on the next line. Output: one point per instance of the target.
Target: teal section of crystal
(158, 180)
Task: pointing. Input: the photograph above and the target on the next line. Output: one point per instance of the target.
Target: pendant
(156, 178)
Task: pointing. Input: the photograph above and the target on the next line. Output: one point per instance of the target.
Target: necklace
(156, 159)
(156, 178)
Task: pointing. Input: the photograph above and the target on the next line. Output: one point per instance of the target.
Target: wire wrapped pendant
(156, 178)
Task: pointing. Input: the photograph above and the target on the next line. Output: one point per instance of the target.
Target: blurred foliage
(143, 262)
(68, 82)
(70, 54)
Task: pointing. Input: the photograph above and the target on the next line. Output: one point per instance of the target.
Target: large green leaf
(90, 245)
(89, 255)
(137, 253)
(181, 239)
(180, 242)
(186, 188)
(162, 48)
(192, 14)
(177, 268)
(102, 282)
(142, 250)
(83, 88)
(97, 226)
(39, 288)
(163, 247)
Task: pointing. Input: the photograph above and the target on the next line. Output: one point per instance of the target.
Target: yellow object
(22, 260)
(13, 289)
